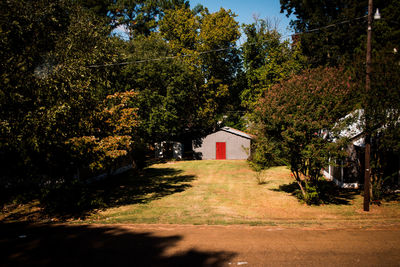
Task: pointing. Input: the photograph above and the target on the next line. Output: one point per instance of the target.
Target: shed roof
(237, 132)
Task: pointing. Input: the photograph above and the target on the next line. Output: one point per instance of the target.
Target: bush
(312, 194)
(261, 178)
(68, 199)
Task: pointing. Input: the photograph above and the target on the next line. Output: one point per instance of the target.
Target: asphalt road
(186, 245)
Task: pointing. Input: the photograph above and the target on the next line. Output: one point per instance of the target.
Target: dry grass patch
(214, 192)
(227, 192)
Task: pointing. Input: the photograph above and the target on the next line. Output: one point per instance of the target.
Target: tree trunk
(297, 177)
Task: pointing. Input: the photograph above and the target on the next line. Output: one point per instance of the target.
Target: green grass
(227, 192)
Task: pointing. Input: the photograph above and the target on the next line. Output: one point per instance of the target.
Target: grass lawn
(227, 192)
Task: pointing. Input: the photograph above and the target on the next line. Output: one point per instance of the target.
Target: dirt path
(188, 245)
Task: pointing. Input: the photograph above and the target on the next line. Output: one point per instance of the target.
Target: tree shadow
(81, 199)
(391, 197)
(329, 192)
(63, 245)
(149, 185)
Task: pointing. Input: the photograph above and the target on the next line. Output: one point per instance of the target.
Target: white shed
(227, 143)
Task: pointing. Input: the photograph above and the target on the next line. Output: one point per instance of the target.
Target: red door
(220, 150)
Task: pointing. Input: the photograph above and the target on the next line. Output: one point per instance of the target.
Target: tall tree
(384, 116)
(172, 100)
(337, 34)
(179, 94)
(49, 92)
(341, 28)
(291, 122)
(141, 17)
(267, 60)
(209, 39)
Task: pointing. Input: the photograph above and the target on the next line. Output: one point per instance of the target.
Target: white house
(349, 173)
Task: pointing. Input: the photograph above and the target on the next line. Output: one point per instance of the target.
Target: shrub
(312, 194)
(292, 122)
(261, 178)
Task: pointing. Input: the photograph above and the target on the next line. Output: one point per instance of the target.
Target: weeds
(261, 178)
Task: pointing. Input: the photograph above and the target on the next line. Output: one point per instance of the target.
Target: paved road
(180, 245)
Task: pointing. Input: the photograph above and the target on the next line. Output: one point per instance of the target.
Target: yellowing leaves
(218, 30)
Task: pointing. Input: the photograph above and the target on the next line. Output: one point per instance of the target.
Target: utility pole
(367, 173)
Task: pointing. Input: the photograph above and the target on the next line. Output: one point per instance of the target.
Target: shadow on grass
(63, 245)
(329, 193)
(133, 188)
(391, 196)
(80, 199)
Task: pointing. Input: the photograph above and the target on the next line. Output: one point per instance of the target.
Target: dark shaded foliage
(328, 193)
(346, 36)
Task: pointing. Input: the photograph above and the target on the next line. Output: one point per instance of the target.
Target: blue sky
(246, 9)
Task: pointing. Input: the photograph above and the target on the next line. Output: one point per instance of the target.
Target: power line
(156, 59)
(329, 26)
(219, 49)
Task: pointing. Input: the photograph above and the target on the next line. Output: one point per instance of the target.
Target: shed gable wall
(237, 147)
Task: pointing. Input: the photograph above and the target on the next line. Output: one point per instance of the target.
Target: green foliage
(292, 119)
(114, 141)
(385, 117)
(383, 108)
(141, 17)
(220, 30)
(341, 43)
(98, 7)
(312, 196)
(196, 35)
(171, 96)
(51, 96)
(346, 43)
(180, 27)
(234, 119)
(180, 97)
(267, 60)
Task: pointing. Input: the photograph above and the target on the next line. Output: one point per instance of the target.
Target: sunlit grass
(227, 192)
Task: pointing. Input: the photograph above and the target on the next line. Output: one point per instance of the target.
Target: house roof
(350, 126)
(354, 124)
(237, 132)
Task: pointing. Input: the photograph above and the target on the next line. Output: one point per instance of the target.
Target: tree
(141, 17)
(340, 37)
(291, 121)
(115, 139)
(29, 32)
(50, 94)
(209, 42)
(172, 100)
(99, 7)
(341, 28)
(180, 89)
(267, 60)
(180, 27)
(385, 118)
